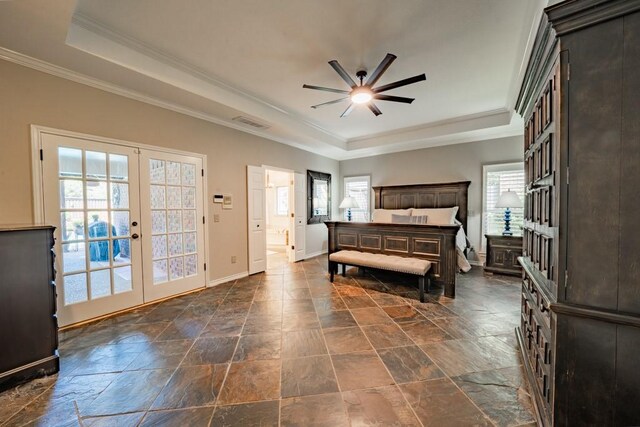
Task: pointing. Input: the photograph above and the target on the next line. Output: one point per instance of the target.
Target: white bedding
(434, 216)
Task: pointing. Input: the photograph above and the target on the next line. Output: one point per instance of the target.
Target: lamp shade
(509, 199)
(349, 203)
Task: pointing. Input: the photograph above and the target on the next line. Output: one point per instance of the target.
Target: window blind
(358, 188)
(498, 180)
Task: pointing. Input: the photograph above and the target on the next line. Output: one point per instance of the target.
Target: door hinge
(202, 170)
(566, 278)
(293, 215)
(205, 266)
(568, 71)
(292, 247)
(41, 155)
(203, 220)
(567, 175)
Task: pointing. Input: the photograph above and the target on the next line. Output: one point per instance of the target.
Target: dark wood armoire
(580, 329)
(28, 324)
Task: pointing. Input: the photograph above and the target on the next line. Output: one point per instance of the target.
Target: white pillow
(384, 215)
(438, 216)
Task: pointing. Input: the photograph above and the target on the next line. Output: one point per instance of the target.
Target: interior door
(172, 223)
(91, 196)
(256, 219)
(299, 217)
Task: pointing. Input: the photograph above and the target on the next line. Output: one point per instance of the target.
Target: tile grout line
(385, 366)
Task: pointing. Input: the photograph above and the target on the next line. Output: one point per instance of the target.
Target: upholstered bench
(415, 266)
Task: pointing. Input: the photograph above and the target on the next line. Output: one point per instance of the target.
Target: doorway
(129, 221)
(276, 217)
(277, 197)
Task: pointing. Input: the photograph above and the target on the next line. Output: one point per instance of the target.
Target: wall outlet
(233, 259)
(216, 217)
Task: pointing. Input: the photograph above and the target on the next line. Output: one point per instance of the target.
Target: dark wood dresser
(580, 328)
(503, 253)
(28, 324)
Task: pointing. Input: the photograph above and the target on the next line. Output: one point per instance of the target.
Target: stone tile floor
(290, 348)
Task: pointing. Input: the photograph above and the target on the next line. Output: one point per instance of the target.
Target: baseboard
(314, 254)
(226, 279)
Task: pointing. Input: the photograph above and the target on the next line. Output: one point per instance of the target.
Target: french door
(128, 224)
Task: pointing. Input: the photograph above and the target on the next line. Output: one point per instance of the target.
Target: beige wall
(31, 97)
(461, 162)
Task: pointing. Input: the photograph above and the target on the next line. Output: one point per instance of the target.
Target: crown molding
(100, 40)
(65, 73)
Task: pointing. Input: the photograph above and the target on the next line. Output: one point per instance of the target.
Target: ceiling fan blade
(380, 69)
(335, 101)
(400, 83)
(394, 98)
(348, 110)
(346, 77)
(375, 110)
(326, 89)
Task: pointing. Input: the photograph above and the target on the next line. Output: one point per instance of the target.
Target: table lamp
(348, 203)
(509, 199)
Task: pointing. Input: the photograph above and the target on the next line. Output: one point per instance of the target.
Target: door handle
(134, 236)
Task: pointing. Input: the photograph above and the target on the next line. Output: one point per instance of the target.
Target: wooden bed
(436, 243)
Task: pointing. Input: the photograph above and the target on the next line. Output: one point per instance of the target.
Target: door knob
(134, 236)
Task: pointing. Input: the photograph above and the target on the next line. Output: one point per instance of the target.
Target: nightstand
(502, 254)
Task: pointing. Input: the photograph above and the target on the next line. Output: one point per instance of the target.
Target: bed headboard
(443, 195)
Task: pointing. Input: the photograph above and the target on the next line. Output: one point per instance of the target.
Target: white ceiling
(219, 59)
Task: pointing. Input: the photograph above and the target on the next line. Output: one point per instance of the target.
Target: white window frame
(347, 179)
(497, 167)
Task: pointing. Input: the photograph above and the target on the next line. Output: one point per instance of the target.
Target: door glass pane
(121, 251)
(189, 242)
(99, 254)
(73, 257)
(160, 271)
(122, 279)
(157, 197)
(75, 288)
(98, 224)
(176, 268)
(118, 167)
(96, 165)
(173, 198)
(100, 283)
(173, 173)
(189, 197)
(71, 194)
(191, 265)
(156, 168)
(72, 225)
(120, 223)
(159, 246)
(96, 195)
(119, 196)
(175, 221)
(158, 222)
(70, 162)
(175, 244)
(189, 220)
(188, 174)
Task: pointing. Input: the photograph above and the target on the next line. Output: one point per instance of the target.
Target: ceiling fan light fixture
(361, 96)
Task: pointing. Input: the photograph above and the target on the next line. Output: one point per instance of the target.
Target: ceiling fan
(365, 93)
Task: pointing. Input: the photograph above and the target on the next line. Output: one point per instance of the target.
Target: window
(358, 188)
(498, 179)
(282, 201)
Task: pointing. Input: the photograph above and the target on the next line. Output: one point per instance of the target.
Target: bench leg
(344, 270)
(421, 285)
(332, 269)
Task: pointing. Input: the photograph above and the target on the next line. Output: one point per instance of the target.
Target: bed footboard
(436, 243)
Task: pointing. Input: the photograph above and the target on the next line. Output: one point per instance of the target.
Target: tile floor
(290, 348)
